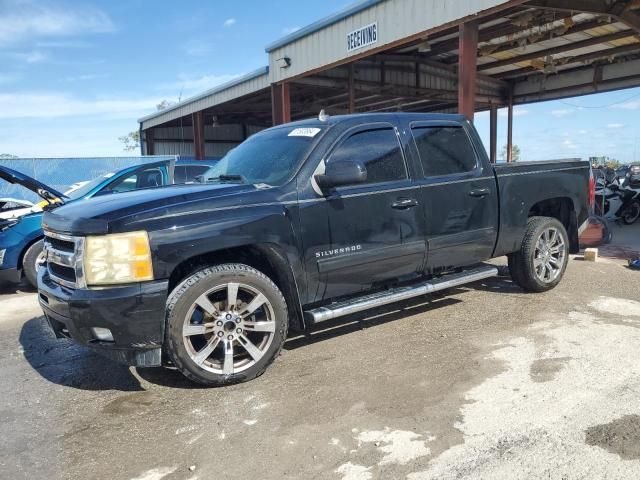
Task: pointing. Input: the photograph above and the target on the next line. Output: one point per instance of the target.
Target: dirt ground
(480, 382)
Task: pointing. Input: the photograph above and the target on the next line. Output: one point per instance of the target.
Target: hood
(44, 191)
(108, 214)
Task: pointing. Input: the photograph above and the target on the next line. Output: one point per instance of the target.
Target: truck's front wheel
(225, 324)
(542, 259)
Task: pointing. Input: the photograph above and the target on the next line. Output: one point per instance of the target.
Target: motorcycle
(618, 196)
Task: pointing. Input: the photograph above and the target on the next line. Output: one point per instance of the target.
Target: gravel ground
(485, 382)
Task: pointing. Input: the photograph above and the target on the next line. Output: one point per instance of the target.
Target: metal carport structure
(425, 55)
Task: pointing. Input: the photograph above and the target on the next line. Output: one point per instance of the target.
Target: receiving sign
(367, 35)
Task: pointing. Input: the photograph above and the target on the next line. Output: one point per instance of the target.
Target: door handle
(479, 192)
(404, 203)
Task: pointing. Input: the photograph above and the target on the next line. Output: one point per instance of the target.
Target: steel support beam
(505, 29)
(198, 135)
(148, 137)
(141, 139)
(447, 70)
(631, 19)
(280, 103)
(510, 129)
(589, 6)
(619, 10)
(582, 59)
(493, 133)
(560, 49)
(578, 81)
(577, 28)
(352, 93)
(467, 69)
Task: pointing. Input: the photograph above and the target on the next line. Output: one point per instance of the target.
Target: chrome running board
(347, 307)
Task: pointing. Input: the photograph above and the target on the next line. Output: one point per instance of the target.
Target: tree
(515, 151)
(131, 141)
(613, 164)
(164, 104)
(7, 156)
(605, 162)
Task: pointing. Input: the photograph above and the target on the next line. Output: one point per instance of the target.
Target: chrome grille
(64, 259)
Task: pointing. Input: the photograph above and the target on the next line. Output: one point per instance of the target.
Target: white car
(14, 207)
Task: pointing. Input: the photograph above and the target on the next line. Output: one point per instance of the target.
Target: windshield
(268, 157)
(81, 189)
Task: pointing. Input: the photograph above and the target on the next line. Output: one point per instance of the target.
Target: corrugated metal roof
(320, 24)
(221, 88)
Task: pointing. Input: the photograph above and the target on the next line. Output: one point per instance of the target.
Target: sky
(76, 75)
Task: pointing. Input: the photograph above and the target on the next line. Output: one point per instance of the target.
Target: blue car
(21, 237)
(188, 171)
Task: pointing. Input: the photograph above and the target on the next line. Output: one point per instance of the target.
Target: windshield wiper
(227, 178)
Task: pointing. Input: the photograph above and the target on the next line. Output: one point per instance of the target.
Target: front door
(459, 195)
(367, 234)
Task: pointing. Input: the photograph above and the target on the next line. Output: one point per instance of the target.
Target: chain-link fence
(61, 173)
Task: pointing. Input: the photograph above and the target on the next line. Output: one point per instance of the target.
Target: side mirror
(342, 172)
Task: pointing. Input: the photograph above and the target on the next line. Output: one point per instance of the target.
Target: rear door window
(380, 152)
(192, 171)
(179, 174)
(444, 150)
(151, 177)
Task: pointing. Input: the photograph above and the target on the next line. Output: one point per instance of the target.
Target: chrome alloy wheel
(229, 328)
(549, 255)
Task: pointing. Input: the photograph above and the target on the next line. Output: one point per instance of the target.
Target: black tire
(183, 298)
(29, 262)
(631, 213)
(521, 263)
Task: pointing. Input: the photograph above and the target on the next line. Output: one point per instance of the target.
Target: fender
(256, 227)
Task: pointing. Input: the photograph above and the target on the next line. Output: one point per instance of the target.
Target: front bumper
(134, 314)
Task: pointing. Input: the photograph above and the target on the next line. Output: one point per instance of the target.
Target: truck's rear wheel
(543, 256)
(225, 324)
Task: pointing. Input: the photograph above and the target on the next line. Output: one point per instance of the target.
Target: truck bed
(523, 185)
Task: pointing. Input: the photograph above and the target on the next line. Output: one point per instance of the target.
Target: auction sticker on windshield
(304, 132)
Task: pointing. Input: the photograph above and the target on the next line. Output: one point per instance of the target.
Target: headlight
(118, 258)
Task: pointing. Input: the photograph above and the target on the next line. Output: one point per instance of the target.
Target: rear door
(458, 192)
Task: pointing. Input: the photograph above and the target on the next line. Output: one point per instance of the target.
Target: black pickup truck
(300, 224)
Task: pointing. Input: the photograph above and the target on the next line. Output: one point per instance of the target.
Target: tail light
(592, 189)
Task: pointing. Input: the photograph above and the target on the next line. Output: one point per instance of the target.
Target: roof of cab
(372, 117)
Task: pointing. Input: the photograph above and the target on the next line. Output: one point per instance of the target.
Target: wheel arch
(26, 247)
(268, 258)
(563, 210)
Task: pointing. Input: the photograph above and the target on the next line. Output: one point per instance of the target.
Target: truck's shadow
(13, 288)
(501, 284)
(368, 319)
(64, 363)
(396, 311)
